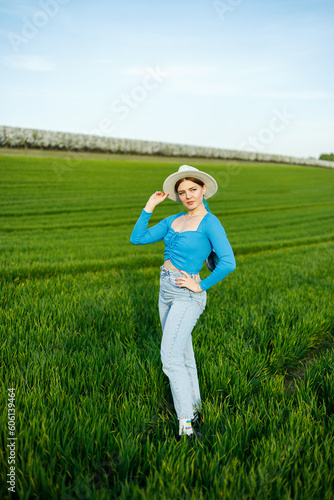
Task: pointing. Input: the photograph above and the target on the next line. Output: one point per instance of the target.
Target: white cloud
(27, 63)
(241, 88)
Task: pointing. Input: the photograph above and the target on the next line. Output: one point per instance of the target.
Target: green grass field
(80, 334)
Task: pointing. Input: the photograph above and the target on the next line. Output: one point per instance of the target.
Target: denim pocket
(179, 289)
(171, 280)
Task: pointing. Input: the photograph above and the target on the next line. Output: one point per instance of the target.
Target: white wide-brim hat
(188, 171)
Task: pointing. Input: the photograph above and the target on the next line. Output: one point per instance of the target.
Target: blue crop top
(189, 249)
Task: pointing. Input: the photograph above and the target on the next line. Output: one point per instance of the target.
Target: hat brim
(209, 181)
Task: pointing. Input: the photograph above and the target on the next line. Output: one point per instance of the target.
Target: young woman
(189, 239)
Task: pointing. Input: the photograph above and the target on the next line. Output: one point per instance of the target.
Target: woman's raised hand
(156, 198)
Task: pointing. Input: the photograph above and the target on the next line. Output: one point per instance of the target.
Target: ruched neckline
(180, 232)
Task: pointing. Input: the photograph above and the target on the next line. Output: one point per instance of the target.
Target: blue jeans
(179, 310)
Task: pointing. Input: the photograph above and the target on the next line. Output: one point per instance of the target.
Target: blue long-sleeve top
(189, 249)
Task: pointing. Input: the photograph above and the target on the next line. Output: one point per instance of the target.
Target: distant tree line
(328, 157)
(17, 137)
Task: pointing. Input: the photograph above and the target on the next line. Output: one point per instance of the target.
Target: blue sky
(238, 74)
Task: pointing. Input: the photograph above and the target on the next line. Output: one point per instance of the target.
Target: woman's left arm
(143, 236)
(223, 249)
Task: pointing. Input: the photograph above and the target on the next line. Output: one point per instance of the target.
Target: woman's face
(191, 194)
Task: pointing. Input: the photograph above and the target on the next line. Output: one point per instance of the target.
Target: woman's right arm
(140, 234)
